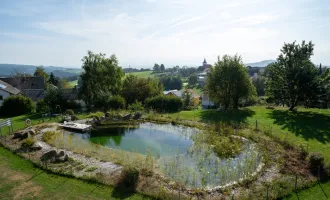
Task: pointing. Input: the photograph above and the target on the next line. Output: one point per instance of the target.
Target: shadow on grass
(309, 125)
(232, 117)
(122, 193)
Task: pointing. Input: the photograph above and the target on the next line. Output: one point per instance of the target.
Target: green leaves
(229, 82)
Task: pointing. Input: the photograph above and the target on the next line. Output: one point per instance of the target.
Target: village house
(7, 90)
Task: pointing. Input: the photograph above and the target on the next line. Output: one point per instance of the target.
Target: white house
(7, 90)
(206, 102)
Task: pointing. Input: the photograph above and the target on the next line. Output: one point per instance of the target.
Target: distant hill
(62, 72)
(263, 63)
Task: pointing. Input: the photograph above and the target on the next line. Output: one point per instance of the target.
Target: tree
(139, 89)
(100, 75)
(16, 105)
(228, 82)
(54, 99)
(293, 74)
(40, 71)
(53, 80)
(192, 81)
(259, 84)
(156, 68)
(171, 82)
(162, 68)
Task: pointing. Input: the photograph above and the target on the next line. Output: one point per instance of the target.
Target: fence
(6, 123)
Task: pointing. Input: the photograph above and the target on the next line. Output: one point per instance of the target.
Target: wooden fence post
(256, 124)
(295, 185)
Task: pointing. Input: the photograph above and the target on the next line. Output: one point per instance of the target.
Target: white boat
(75, 126)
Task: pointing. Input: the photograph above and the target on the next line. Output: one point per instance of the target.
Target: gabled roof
(174, 92)
(8, 88)
(23, 83)
(34, 94)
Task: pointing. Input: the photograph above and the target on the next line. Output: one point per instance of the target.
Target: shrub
(72, 105)
(315, 160)
(137, 106)
(164, 103)
(16, 105)
(69, 112)
(42, 107)
(48, 136)
(129, 178)
(28, 142)
(117, 102)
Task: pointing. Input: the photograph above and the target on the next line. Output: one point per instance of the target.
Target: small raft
(76, 126)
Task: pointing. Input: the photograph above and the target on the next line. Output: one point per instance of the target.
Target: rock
(18, 135)
(36, 147)
(74, 118)
(127, 117)
(31, 132)
(50, 155)
(137, 115)
(60, 154)
(25, 135)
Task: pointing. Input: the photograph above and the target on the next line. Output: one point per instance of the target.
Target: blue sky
(173, 32)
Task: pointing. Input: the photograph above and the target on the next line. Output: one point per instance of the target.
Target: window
(1, 97)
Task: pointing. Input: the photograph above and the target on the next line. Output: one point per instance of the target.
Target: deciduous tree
(228, 82)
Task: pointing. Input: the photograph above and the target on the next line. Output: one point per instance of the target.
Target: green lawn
(19, 179)
(310, 126)
(73, 83)
(145, 74)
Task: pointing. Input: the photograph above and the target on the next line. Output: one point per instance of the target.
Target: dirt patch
(26, 190)
(294, 163)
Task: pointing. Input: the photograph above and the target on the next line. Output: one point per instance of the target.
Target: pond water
(159, 140)
(175, 153)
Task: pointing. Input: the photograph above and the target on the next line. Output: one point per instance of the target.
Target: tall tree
(156, 68)
(40, 71)
(259, 83)
(293, 74)
(192, 81)
(101, 75)
(53, 80)
(171, 82)
(162, 68)
(139, 89)
(228, 82)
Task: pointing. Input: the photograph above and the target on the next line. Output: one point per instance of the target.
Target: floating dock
(76, 126)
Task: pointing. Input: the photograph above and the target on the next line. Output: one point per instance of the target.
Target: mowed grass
(19, 179)
(73, 83)
(145, 74)
(306, 126)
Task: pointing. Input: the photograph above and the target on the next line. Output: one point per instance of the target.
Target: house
(206, 102)
(177, 93)
(201, 77)
(7, 90)
(26, 82)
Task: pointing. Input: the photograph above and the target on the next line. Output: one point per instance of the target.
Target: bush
(28, 143)
(72, 105)
(16, 105)
(69, 112)
(48, 136)
(42, 107)
(137, 106)
(117, 102)
(129, 178)
(315, 160)
(164, 103)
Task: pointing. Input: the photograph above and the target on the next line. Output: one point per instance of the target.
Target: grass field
(145, 74)
(310, 126)
(73, 83)
(19, 179)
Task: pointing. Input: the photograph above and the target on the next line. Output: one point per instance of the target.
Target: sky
(174, 32)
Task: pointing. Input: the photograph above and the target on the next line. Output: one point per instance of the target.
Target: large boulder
(50, 155)
(35, 147)
(127, 117)
(18, 135)
(137, 115)
(53, 156)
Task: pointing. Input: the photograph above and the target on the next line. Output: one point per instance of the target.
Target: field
(73, 83)
(145, 74)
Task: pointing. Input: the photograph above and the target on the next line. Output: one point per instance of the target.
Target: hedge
(164, 103)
